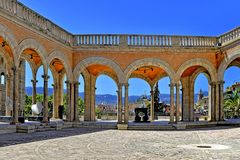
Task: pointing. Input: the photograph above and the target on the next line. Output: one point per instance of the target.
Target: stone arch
(9, 63)
(113, 77)
(8, 36)
(98, 60)
(158, 78)
(63, 58)
(31, 63)
(33, 44)
(200, 62)
(148, 62)
(199, 71)
(143, 78)
(226, 62)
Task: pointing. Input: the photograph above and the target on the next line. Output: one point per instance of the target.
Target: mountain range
(108, 98)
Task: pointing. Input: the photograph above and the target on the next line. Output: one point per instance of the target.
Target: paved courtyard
(82, 143)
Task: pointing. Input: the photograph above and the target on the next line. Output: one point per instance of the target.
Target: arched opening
(61, 91)
(196, 94)
(6, 64)
(3, 108)
(162, 100)
(106, 99)
(81, 98)
(139, 97)
(202, 104)
(2, 78)
(151, 74)
(88, 102)
(28, 90)
(231, 103)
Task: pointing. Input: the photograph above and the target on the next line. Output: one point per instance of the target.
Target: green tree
(232, 105)
(28, 105)
(80, 105)
(156, 98)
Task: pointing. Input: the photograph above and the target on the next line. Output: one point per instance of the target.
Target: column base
(14, 123)
(122, 126)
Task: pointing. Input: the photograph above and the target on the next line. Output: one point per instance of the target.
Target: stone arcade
(27, 36)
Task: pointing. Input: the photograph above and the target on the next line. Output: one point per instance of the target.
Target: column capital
(172, 85)
(120, 85)
(45, 77)
(67, 82)
(76, 83)
(213, 84)
(221, 82)
(34, 81)
(8, 76)
(126, 85)
(15, 69)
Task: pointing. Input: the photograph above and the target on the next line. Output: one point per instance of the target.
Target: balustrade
(35, 20)
(230, 36)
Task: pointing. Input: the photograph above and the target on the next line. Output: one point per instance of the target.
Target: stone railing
(36, 21)
(230, 36)
(97, 40)
(144, 40)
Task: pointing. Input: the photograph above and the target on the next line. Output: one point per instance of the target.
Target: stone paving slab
(92, 143)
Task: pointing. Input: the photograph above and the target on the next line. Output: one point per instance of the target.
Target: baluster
(133, 40)
(96, 39)
(79, 40)
(93, 39)
(139, 40)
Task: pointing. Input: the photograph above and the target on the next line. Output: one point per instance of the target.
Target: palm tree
(232, 105)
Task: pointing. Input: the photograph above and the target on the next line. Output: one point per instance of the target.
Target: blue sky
(171, 17)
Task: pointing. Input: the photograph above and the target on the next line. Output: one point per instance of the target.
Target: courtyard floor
(85, 143)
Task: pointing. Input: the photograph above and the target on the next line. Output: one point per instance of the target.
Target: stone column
(172, 108)
(126, 107)
(15, 95)
(213, 100)
(76, 115)
(186, 107)
(68, 100)
(191, 99)
(217, 98)
(92, 97)
(45, 98)
(177, 102)
(152, 104)
(8, 97)
(87, 99)
(55, 101)
(119, 103)
(221, 101)
(1, 102)
(34, 90)
(209, 103)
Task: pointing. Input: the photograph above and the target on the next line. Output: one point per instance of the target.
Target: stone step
(150, 127)
(6, 128)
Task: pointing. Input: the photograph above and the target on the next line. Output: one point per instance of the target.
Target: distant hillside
(107, 98)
